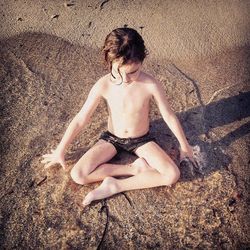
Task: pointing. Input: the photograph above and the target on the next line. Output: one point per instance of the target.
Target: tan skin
(128, 106)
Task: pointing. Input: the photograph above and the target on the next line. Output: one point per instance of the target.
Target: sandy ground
(49, 59)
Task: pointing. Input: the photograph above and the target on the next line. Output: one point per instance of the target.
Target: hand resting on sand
(188, 153)
(55, 157)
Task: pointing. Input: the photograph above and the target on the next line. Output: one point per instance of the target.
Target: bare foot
(140, 165)
(106, 189)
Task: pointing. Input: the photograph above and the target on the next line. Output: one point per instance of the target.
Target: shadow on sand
(58, 68)
(215, 114)
(44, 82)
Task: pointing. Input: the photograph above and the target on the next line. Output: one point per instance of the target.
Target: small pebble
(68, 4)
(237, 195)
(54, 16)
(31, 184)
(231, 202)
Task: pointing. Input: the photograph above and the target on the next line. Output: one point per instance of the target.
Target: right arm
(82, 117)
(75, 126)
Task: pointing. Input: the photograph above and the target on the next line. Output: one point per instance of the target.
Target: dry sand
(49, 54)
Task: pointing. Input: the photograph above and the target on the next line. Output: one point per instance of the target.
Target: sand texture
(49, 59)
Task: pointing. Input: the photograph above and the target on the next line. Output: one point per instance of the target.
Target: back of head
(125, 45)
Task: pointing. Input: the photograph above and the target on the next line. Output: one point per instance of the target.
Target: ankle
(132, 169)
(112, 184)
(115, 186)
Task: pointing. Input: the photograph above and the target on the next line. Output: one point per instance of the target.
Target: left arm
(171, 120)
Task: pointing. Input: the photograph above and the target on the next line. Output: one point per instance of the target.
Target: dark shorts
(127, 144)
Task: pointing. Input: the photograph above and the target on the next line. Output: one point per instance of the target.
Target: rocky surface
(44, 82)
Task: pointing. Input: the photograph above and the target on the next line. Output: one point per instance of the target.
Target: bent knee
(172, 176)
(78, 176)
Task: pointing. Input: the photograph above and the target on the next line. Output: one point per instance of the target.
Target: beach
(50, 59)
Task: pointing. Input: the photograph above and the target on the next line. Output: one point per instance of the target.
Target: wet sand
(45, 79)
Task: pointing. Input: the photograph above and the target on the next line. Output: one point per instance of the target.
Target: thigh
(156, 157)
(100, 153)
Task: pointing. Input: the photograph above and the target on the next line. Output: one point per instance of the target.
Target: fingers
(47, 155)
(51, 159)
(49, 164)
(63, 164)
(46, 160)
(194, 163)
(53, 163)
(184, 158)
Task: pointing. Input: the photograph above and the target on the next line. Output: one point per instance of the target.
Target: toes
(45, 161)
(106, 189)
(88, 199)
(85, 203)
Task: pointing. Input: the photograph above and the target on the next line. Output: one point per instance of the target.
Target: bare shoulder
(153, 84)
(100, 85)
(101, 82)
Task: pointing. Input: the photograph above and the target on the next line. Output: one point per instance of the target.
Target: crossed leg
(92, 166)
(162, 171)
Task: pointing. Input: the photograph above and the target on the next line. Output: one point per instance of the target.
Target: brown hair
(125, 44)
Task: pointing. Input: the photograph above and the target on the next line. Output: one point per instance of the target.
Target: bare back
(128, 106)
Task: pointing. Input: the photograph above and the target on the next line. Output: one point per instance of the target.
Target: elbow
(81, 120)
